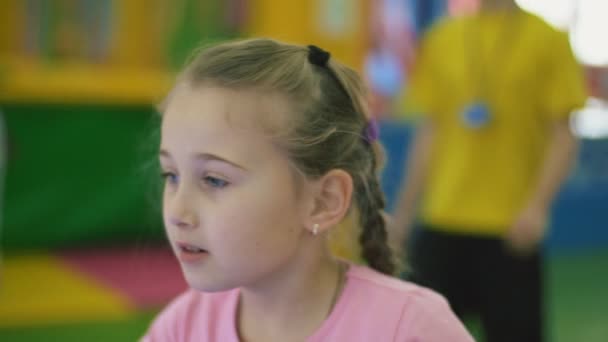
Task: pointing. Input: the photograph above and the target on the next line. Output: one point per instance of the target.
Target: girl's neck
(296, 302)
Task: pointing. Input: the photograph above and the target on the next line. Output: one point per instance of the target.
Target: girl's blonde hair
(328, 128)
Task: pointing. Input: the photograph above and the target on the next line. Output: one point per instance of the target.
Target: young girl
(264, 147)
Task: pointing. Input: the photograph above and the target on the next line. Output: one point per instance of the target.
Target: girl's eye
(170, 177)
(215, 182)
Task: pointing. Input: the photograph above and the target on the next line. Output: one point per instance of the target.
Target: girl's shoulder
(380, 304)
(372, 289)
(376, 282)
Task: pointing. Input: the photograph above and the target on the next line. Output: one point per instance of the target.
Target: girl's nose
(182, 221)
(181, 212)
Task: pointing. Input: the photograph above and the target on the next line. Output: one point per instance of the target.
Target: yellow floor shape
(40, 289)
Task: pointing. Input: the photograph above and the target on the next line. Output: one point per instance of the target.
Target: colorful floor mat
(80, 286)
(92, 296)
(148, 277)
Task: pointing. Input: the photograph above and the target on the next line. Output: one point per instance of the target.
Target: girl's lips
(190, 253)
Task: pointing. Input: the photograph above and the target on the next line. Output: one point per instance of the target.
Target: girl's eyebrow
(206, 157)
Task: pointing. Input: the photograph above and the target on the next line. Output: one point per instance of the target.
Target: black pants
(479, 276)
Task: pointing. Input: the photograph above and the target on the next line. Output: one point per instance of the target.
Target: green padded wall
(80, 174)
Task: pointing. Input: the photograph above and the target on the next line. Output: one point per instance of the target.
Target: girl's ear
(331, 200)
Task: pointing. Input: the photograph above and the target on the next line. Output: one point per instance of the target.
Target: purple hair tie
(372, 131)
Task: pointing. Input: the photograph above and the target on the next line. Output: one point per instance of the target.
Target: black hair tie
(318, 56)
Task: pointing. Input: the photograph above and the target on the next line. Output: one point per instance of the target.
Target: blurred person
(493, 147)
(390, 53)
(264, 148)
(385, 76)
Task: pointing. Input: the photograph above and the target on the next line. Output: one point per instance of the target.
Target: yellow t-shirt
(524, 70)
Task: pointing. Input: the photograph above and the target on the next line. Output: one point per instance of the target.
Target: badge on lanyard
(476, 115)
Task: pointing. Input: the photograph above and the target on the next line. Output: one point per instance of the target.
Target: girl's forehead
(239, 124)
(243, 108)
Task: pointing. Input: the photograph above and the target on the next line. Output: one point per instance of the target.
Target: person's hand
(528, 230)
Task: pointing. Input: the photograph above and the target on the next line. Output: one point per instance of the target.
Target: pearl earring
(315, 229)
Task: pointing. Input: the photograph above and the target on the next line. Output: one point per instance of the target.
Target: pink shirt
(372, 307)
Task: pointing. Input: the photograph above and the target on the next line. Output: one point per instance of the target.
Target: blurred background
(83, 253)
